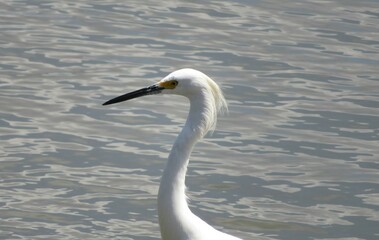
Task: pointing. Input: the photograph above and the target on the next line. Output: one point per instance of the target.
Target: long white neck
(175, 217)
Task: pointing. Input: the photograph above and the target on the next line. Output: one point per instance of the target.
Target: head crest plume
(214, 100)
(219, 104)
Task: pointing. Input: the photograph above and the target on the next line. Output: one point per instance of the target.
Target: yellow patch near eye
(171, 84)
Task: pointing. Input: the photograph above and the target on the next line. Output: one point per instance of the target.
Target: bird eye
(174, 83)
(171, 84)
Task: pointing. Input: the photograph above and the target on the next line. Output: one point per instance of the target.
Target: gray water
(295, 158)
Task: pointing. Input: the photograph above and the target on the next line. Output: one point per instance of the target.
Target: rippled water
(296, 158)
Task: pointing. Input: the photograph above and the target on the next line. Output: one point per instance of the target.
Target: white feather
(176, 220)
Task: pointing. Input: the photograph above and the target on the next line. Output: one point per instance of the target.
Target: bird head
(186, 82)
(189, 83)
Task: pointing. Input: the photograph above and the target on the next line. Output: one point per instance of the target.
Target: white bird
(176, 220)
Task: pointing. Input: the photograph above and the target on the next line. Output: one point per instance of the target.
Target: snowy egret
(176, 220)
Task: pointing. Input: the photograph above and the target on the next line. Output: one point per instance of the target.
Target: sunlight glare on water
(295, 158)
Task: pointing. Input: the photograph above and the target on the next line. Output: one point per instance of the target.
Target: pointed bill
(154, 89)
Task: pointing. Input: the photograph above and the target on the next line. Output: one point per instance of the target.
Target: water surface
(295, 158)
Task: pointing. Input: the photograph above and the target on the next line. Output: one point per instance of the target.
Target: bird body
(176, 220)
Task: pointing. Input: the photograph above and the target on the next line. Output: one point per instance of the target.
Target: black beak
(154, 89)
